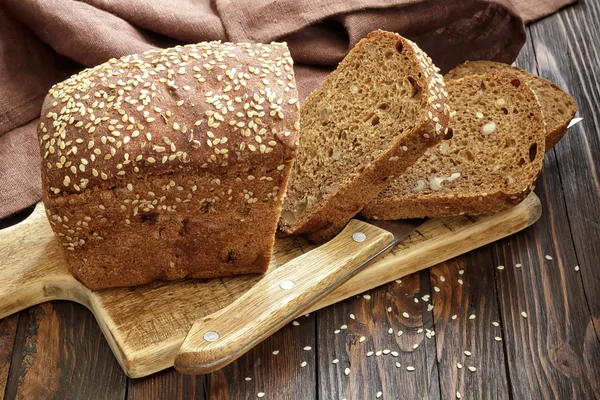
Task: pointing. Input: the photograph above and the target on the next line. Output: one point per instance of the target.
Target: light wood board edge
(20, 275)
(406, 260)
(53, 282)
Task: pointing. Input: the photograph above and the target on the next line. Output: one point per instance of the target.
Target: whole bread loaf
(170, 164)
(488, 160)
(374, 116)
(558, 107)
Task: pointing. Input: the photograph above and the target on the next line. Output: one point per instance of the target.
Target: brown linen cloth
(44, 41)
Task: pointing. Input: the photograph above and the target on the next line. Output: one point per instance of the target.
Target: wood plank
(166, 385)
(557, 358)
(382, 309)
(65, 356)
(572, 59)
(553, 351)
(12, 330)
(8, 332)
(475, 296)
(278, 376)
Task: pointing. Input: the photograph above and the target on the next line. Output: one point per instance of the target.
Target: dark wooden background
(56, 350)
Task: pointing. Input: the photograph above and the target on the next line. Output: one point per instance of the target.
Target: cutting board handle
(32, 269)
(216, 340)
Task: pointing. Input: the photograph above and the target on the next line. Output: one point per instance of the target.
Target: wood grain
(378, 372)
(454, 305)
(427, 247)
(32, 269)
(548, 356)
(576, 35)
(279, 376)
(268, 305)
(550, 351)
(167, 385)
(145, 326)
(65, 356)
(8, 331)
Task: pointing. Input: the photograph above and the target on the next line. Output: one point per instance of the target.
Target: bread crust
(202, 239)
(393, 208)
(329, 217)
(170, 164)
(553, 133)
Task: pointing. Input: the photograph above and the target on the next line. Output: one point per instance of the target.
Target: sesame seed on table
(535, 331)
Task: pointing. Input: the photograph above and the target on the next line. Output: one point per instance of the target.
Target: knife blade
(281, 295)
(574, 122)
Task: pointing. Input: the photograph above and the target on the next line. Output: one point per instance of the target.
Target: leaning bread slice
(375, 115)
(488, 160)
(558, 107)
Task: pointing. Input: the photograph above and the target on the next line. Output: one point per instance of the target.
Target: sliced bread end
(488, 161)
(558, 107)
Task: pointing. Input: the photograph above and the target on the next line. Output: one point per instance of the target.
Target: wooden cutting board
(145, 326)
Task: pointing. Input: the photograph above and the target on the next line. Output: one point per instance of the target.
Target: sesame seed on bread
(170, 163)
(374, 116)
(488, 160)
(558, 107)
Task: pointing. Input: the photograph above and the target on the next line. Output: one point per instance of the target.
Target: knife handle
(216, 340)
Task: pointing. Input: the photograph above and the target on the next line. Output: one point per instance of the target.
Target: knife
(280, 296)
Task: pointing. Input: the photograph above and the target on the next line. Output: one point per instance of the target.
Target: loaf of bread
(489, 160)
(170, 164)
(558, 107)
(374, 116)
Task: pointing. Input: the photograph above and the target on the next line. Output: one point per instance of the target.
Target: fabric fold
(266, 20)
(20, 176)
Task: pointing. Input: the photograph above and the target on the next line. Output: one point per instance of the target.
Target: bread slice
(375, 115)
(488, 161)
(558, 107)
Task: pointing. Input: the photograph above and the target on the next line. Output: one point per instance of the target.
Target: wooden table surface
(513, 320)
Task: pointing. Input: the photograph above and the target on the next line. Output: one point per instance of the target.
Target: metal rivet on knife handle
(286, 285)
(211, 336)
(359, 237)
